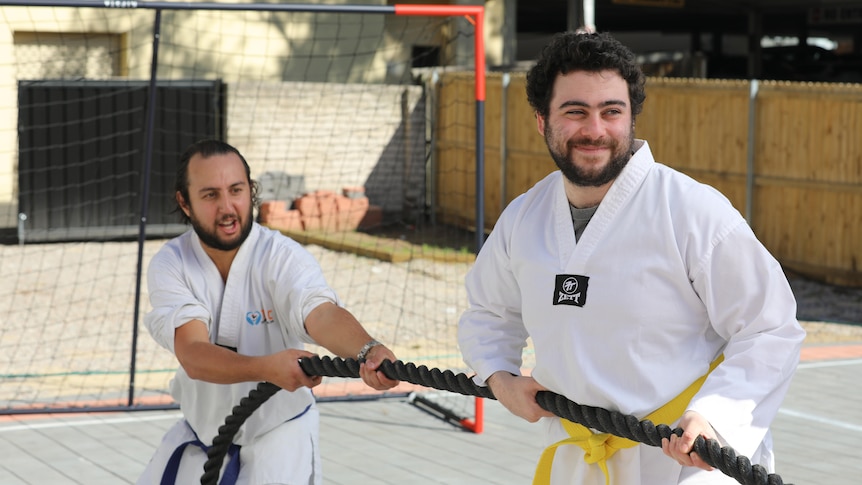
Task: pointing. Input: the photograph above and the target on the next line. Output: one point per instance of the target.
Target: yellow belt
(599, 447)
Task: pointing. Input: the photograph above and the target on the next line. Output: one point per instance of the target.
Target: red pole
(476, 15)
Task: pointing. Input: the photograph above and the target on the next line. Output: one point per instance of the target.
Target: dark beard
(582, 179)
(211, 240)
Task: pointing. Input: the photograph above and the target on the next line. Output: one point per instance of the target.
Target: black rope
(724, 458)
(226, 432)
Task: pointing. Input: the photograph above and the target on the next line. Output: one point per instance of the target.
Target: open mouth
(229, 226)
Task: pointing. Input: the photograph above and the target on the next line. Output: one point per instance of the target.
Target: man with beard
(643, 291)
(235, 302)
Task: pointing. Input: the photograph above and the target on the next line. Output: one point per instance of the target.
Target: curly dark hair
(206, 149)
(579, 51)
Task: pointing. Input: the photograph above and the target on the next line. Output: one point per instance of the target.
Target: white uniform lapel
(226, 297)
(618, 196)
(564, 228)
(208, 279)
(236, 291)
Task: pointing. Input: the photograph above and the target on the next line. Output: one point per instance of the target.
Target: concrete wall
(335, 135)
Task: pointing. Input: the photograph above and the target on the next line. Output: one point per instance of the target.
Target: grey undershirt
(580, 218)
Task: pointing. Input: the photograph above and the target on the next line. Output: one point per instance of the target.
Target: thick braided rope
(226, 432)
(626, 426)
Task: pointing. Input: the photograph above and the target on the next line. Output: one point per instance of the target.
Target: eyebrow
(603, 104)
(208, 189)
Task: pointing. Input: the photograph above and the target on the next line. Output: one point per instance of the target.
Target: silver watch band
(365, 349)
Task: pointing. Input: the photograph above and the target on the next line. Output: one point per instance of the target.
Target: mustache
(590, 142)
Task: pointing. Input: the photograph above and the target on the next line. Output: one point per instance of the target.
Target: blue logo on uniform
(254, 318)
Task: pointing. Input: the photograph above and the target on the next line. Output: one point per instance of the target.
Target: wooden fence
(787, 155)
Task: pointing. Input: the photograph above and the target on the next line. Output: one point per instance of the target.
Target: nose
(593, 127)
(224, 205)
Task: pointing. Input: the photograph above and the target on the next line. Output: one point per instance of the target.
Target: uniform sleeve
(300, 287)
(751, 306)
(172, 301)
(491, 333)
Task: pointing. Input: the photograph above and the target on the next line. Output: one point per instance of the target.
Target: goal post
(327, 102)
(476, 422)
(477, 14)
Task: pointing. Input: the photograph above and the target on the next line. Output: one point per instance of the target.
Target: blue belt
(231, 471)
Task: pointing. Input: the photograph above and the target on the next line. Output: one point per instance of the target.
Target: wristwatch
(363, 353)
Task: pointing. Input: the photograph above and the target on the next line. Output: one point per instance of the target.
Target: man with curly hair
(643, 291)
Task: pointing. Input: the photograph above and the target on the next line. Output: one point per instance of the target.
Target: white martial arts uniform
(665, 278)
(272, 286)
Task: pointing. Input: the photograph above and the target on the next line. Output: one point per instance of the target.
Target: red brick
(307, 206)
(342, 211)
(356, 213)
(291, 220)
(323, 193)
(372, 217)
(272, 208)
(309, 212)
(328, 210)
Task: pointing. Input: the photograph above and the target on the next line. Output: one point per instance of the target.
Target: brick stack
(323, 211)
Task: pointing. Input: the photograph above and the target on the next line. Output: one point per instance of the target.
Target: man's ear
(182, 203)
(540, 124)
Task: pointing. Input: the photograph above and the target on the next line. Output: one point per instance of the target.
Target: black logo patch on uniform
(571, 289)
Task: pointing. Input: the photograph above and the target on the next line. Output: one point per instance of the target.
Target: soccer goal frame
(473, 13)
